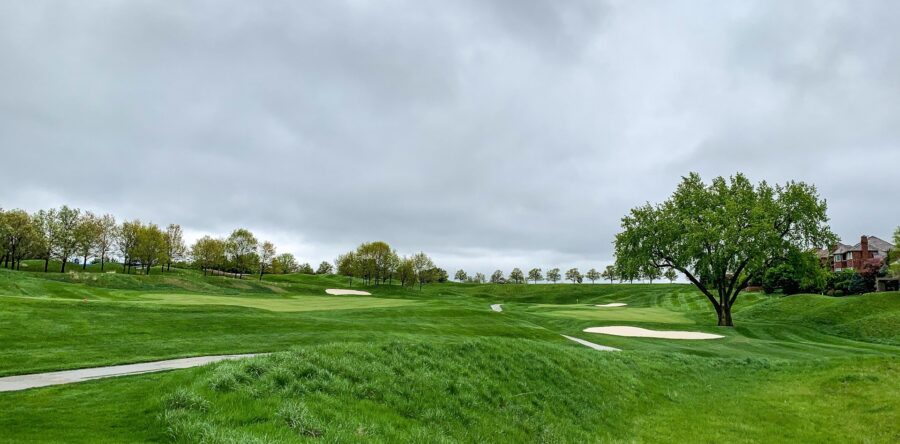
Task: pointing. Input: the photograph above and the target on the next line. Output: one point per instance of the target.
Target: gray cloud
(491, 134)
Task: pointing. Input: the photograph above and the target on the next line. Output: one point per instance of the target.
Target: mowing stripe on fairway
(23, 382)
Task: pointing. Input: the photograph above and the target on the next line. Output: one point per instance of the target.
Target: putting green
(291, 304)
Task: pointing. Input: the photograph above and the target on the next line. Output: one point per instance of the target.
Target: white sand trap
(340, 292)
(496, 307)
(644, 333)
(614, 304)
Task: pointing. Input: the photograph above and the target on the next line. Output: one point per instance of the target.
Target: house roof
(875, 244)
(880, 244)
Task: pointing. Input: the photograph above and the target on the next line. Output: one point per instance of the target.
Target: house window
(837, 269)
(837, 258)
(850, 256)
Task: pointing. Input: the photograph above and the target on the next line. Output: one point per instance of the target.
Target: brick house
(844, 256)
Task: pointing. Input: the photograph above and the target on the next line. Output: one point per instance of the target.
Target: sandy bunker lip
(612, 304)
(638, 332)
(340, 291)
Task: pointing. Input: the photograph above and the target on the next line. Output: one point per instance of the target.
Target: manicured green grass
(437, 365)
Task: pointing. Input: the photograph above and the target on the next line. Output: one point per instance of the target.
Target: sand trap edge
(612, 304)
(637, 332)
(343, 292)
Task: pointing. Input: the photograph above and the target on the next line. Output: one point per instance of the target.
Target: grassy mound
(872, 317)
(507, 390)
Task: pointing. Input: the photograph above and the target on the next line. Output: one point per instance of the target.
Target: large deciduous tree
(553, 275)
(460, 275)
(175, 247)
(266, 255)
(208, 253)
(325, 268)
(516, 276)
(240, 249)
(107, 231)
(535, 275)
(609, 273)
(574, 275)
(150, 246)
(593, 275)
(424, 268)
(65, 236)
(723, 235)
(87, 232)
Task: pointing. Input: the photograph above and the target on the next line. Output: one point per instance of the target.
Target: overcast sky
(490, 134)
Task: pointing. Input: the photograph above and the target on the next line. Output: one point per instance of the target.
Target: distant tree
(375, 262)
(107, 232)
(64, 234)
(424, 267)
(651, 274)
(87, 231)
(240, 247)
(266, 255)
(553, 275)
(345, 265)
(325, 268)
(496, 277)
(18, 235)
(175, 247)
(593, 275)
(609, 273)
(894, 255)
(150, 246)
(574, 275)
(535, 275)
(516, 276)
(406, 272)
(126, 242)
(479, 278)
(208, 253)
(285, 263)
(438, 274)
(460, 275)
(723, 235)
(305, 268)
(671, 275)
(44, 222)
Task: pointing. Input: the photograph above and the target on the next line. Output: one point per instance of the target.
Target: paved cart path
(22, 382)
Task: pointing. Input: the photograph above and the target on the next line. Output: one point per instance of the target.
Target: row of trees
(68, 234)
(535, 275)
(377, 263)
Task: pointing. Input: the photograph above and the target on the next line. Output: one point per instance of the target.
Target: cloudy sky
(490, 134)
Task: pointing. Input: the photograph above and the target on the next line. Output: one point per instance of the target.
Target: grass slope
(437, 365)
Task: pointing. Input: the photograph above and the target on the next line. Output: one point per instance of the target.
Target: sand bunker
(339, 292)
(644, 333)
(614, 304)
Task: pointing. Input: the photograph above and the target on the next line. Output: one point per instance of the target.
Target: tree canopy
(724, 234)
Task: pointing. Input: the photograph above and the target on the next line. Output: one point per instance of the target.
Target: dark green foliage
(799, 272)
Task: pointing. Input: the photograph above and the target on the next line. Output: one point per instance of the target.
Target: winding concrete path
(591, 344)
(496, 307)
(23, 382)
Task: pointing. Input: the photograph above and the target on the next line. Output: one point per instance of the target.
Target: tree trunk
(63, 269)
(84, 264)
(102, 260)
(724, 314)
(46, 263)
